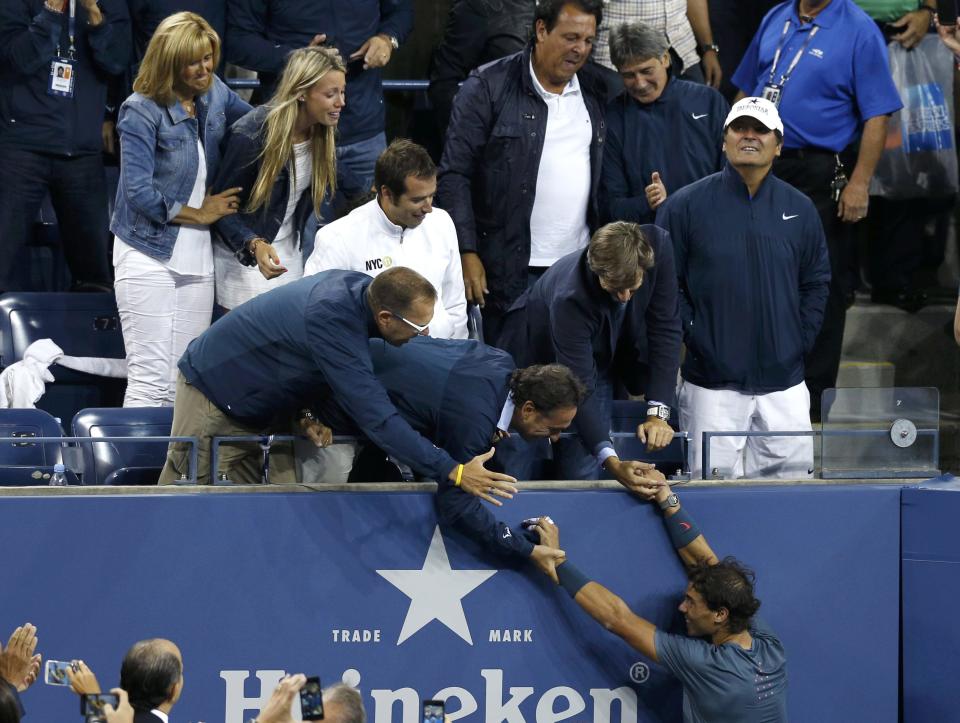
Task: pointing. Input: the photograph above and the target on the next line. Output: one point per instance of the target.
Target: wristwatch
(709, 46)
(661, 411)
(394, 42)
(671, 501)
(308, 415)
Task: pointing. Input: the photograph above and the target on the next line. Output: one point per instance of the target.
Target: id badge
(772, 92)
(62, 77)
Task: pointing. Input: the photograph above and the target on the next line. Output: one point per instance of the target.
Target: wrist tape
(571, 579)
(682, 528)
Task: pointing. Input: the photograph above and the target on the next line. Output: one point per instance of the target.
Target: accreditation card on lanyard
(63, 68)
(773, 91)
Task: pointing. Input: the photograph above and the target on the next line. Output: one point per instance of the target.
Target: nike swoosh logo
(685, 526)
(787, 218)
(698, 117)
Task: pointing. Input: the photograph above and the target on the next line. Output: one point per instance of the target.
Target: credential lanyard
(71, 32)
(776, 56)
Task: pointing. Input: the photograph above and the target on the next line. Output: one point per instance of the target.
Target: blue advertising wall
(931, 589)
(254, 585)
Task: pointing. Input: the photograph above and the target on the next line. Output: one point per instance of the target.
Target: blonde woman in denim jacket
(170, 133)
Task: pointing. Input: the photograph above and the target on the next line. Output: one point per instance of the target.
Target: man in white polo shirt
(521, 163)
(400, 227)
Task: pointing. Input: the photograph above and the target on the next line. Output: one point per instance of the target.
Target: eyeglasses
(422, 329)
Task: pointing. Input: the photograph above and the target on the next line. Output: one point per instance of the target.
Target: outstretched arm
(691, 545)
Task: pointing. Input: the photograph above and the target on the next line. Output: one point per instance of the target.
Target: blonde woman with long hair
(277, 153)
(170, 134)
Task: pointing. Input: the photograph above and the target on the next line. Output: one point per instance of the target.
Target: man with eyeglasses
(609, 312)
(259, 368)
(754, 277)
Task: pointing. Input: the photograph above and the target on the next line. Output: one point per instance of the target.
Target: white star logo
(436, 591)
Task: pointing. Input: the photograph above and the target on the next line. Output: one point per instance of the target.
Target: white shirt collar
(161, 715)
(386, 225)
(506, 416)
(572, 87)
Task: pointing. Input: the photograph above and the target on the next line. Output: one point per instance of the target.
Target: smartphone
(93, 706)
(947, 12)
(311, 700)
(433, 711)
(55, 672)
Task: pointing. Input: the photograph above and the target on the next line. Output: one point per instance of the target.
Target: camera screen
(94, 706)
(311, 700)
(433, 711)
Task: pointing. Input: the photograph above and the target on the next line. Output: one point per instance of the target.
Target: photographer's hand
(277, 709)
(82, 680)
(19, 666)
(123, 713)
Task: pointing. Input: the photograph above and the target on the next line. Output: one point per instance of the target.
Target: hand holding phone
(433, 711)
(55, 672)
(311, 699)
(93, 706)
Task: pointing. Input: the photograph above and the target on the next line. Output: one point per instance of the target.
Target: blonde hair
(305, 66)
(178, 41)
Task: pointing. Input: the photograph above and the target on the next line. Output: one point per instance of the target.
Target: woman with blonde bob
(276, 153)
(170, 133)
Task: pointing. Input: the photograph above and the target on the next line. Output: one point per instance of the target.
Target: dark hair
(620, 253)
(549, 10)
(547, 386)
(727, 584)
(397, 289)
(149, 672)
(402, 158)
(776, 133)
(9, 710)
(637, 43)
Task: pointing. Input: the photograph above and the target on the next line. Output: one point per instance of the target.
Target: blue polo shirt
(842, 80)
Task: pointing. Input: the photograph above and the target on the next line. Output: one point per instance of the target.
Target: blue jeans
(358, 160)
(78, 191)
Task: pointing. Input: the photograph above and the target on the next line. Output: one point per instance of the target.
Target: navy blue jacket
(566, 317)
(491, 158)
(239, 167)
(452, 391)
(679, 135)
(260, 34)
(754, 276)
(29, 35)
(280, 350)
(146, 15)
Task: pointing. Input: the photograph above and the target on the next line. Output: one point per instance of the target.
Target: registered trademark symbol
(639, 672)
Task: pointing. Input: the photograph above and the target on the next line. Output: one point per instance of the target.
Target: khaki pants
(196, 416)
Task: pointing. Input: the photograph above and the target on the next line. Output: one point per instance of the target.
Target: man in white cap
(754, 275)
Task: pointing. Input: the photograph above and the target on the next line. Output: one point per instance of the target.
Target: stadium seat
(29, 463)
(625, 416)
(80, 324)
(124, 463)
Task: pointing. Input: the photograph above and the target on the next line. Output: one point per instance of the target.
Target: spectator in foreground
(19, 669)
(282, 155)
(521, 163)
(837, 95)
(661, 131)
(754, 277)
(53, 90)
(170, 134)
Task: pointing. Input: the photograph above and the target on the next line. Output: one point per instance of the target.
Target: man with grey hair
(662, 132)
(608, 312)
(754, 276)
(343, 704)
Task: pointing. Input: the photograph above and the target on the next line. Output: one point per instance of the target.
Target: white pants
(161, 312)
(717, 410)
(324, 465)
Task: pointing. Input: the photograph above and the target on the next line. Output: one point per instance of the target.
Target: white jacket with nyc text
(366, 240)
